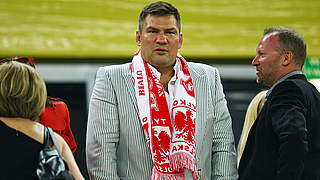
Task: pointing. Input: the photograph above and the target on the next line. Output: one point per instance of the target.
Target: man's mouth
(161, 50)
(257, 71)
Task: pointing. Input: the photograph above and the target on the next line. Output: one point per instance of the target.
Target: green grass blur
(106, 28)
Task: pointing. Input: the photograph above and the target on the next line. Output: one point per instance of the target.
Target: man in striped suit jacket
(118, 143)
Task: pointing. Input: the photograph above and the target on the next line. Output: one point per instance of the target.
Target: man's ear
(138, 38)
(287, 58)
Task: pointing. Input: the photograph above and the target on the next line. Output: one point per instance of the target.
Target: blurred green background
(106, 28)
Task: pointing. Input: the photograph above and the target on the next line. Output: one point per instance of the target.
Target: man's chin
(261, 82)
(258, 80)
(161, 60)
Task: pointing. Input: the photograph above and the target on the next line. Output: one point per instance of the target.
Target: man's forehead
(271, 37)
(153, 21)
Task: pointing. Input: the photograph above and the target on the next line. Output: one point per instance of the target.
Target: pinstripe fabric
(116, 144)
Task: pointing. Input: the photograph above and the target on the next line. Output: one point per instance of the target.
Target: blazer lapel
(196, 78)
(127, 77)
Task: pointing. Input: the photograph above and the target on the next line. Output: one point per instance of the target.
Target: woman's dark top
(20, 155)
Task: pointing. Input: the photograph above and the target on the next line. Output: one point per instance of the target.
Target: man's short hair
(23, 92)
(290, 40)
(159, 8)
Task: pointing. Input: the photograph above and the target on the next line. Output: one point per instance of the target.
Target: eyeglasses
(25, 60)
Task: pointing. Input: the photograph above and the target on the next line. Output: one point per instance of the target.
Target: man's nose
(161, 38)
(255, 61)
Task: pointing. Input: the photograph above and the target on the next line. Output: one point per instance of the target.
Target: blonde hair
(23, 92)
(253, 110)
(316, 83)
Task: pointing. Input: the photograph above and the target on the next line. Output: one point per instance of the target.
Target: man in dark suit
(284, 142)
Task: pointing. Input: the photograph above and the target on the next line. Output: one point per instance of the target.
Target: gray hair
(290, 40)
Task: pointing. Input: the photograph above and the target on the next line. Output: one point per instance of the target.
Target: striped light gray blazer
(116, 145)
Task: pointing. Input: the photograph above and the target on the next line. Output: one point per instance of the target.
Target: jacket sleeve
(68, 136)
(224, 156)
(58, 118)
(288, 115)
(102, 130)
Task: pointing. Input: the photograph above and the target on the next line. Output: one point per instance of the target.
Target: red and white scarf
(171, 141)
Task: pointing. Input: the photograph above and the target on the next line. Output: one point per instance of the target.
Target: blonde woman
(253, 110)
(22, 99)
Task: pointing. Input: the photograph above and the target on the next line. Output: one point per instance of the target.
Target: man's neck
(166, 73)
(165, 78)
(284, 73)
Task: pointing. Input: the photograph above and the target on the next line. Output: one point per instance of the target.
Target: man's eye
(171, 32)
(152, 31)
(261, 54)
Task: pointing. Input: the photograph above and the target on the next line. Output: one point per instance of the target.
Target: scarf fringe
(186, 161)
(156, 175)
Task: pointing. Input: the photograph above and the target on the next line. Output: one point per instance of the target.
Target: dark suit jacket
(284, 142)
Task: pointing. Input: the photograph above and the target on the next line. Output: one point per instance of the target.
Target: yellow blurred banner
(106, 28)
